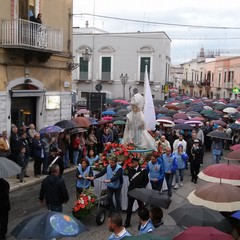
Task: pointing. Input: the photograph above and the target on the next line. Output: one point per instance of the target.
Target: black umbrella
(193, 215)
(66, 124)
(183, 126)
(48, 225)
(218, 134)
(8, 168)
(151, 197)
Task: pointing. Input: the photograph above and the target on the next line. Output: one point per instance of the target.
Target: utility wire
(156, 23)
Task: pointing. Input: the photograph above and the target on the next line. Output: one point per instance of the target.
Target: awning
(27, 93)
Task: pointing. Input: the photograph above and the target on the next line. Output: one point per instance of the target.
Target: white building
(113, 54)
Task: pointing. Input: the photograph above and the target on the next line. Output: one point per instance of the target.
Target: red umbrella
(234, 155)
(197, 119)
(174, 107)
(217, 196)
(82, 121)
(202, 233)
(235, 147)
(180, 116)
(226, 172)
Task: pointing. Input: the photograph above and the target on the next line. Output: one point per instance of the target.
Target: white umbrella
(8, 168)
(217, 196)
(230, 110)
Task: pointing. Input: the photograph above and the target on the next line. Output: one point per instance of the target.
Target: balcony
(184, 82)
(190, 84)
(228, 85)
(23, 34)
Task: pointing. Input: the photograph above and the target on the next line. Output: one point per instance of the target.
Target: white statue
(135, 132)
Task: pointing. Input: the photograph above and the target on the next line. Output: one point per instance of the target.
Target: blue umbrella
(50, 129)
(93, 120)
(48, 225)
(234, 126)
(109, 112)
(236, 215)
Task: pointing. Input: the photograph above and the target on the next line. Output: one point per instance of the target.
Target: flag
(149, 111)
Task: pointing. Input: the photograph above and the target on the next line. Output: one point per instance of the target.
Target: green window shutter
(106, 68)
(83, 69)
(144, 61)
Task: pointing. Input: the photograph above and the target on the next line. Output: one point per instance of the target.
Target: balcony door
(26, 8)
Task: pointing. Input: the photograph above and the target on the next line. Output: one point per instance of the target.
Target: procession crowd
(52, 153)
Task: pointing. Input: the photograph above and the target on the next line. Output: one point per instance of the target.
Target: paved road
(24, 202)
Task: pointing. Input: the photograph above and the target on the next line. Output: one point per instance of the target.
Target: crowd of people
(52, 153)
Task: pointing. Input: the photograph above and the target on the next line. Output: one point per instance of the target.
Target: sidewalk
(15, 184)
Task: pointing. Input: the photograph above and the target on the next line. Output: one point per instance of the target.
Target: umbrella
(48, 225)
(218, 134)
(66, 124)
(219, 122)
(183, 126)
(122, 101)
(93, 120)
(197, 118)
(163, 121)
(217, 196)
(193, 114)
(234, 126)
(82, 111)
(174, 107)
(230, 110)
(207, 112)
(234, 155)
(101, 122)
(119, 122)
(179, 121)
(109, 112)
(194, 122)
(228, 173)
(236, 215)
(81, 121)
(8, 168)
(122, 112)
(146, 236)
(235, 147)
(77, 130)
(219, 107)
(50, 129)
(107, 118)
(180, 116)
(191, 215)
(167, 230)
(213, 116)
(151, 197)
(203, 233)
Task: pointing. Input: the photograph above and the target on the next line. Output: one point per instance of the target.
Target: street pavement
(179, 198)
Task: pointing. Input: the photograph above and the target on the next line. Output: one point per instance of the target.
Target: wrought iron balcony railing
(19, 33)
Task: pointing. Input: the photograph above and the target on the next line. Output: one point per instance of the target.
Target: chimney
(87, 25)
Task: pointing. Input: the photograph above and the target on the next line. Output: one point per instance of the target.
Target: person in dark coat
(196, 161)
(14, 143)
(59, 161)
(4, 207)
(138, 178)
(38, 154)
(53, 190)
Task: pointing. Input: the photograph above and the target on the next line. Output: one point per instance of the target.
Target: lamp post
(124, 79)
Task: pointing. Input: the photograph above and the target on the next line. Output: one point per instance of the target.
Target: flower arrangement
(84, 204)
(124, 156)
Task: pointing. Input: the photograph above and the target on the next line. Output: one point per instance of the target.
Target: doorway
(23, 111)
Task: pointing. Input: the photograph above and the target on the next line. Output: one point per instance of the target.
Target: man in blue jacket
(170, 166)
(114, 180)
(155, 167)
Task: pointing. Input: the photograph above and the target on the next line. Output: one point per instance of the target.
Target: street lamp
(124, 79)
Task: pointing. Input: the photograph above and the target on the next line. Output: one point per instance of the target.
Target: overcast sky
(186, 40)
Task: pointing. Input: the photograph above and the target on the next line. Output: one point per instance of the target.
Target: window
(106, 68)
(83, 69)
(144, 61)
(225, 76)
